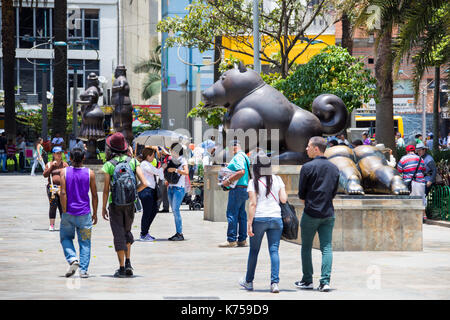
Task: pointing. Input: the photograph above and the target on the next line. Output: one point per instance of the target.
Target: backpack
(171, 177)
(123, 184)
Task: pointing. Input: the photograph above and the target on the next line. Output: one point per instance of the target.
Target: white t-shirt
(182, 182)
(57, 140)
(267, 207)
(150, 173)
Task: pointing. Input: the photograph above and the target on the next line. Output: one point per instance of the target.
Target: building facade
(101, 35)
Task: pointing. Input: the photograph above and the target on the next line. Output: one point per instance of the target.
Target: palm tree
(425, 33)
(9, 59)
(152, 66)
(380, 17)
(59, 122)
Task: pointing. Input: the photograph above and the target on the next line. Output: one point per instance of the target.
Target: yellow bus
(369, 122)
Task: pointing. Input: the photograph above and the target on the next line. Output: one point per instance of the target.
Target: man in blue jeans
(236, 215)
(318, 185)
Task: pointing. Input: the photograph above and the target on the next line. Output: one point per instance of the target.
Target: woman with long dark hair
(265, 191)
(148, 195)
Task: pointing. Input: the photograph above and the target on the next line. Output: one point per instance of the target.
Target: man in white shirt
(57, 141)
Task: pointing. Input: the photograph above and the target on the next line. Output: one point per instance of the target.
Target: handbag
(289, 218)
(409, 184)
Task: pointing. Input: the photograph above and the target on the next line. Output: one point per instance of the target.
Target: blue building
(178, 92)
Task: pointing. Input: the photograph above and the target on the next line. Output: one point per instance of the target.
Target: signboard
(401, 105)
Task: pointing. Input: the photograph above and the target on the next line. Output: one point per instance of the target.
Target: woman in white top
(265, 191)
(176, 191)
(148, 195)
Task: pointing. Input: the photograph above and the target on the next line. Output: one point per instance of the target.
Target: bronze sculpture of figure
(252, 104)
(365, 168)
(123, 110)
(92, 121)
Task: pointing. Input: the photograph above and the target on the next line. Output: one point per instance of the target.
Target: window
(43, 29)
(39, 72)
(84, 67)
(83, 26)
(25, 18)
(370, 60)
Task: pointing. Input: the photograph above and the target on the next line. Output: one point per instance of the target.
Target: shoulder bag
(289, 217)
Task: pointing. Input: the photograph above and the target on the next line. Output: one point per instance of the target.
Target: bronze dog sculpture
(252, 104)
(365, 168)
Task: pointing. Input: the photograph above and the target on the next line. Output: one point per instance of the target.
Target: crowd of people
(160, 176)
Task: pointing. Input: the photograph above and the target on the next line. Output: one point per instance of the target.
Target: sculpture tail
(332, 113)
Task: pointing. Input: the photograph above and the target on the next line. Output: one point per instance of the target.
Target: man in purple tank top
(77, 215)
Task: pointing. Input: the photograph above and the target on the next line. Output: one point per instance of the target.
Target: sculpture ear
(242, 68)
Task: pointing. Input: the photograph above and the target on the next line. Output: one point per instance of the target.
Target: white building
(110, 32)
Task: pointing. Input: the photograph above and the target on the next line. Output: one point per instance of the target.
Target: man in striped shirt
(413, 173)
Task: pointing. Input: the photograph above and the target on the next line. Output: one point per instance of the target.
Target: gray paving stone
(32, 263)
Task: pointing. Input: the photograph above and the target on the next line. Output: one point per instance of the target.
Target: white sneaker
(51, 228)
(72, 268)
(324, 288)
(274, 288)
(84, 274)
(245, 284)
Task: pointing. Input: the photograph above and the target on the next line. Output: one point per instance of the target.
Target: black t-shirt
(318, 184)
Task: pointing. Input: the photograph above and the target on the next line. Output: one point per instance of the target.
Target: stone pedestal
(99, 175)
(363, 223)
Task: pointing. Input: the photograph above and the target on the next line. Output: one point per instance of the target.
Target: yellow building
(273, 48)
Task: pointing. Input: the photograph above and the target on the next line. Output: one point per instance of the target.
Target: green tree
(425, 34)
(332, 71)
(283, 24)
(151, 66)
(380, 17)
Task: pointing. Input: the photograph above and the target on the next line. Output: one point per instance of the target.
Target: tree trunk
(59, 122)
(384, 110)
(347, 39)
(436, 109)
(9, 61)
(217, 56)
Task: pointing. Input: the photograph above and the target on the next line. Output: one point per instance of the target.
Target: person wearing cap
(430, 173)
(120, 217)
(52, 172)
(236, 215)
(412, 168)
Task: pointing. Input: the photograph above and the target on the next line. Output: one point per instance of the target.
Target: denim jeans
(35, 163)
(176, 196)
(3, 158)
(148, 199)
(83, 226)
(273, 227)
(309, 226)
(236, 215)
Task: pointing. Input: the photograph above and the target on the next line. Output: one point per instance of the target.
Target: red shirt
(11, 149)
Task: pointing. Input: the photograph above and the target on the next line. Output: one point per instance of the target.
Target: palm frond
(152, 86)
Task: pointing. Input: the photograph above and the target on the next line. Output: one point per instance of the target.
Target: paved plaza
(32, 263)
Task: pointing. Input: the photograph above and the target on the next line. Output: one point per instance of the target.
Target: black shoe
(304, 285)
(177, 237)
(128, 270)
(324, 287)
(120, 273)
(164, 210)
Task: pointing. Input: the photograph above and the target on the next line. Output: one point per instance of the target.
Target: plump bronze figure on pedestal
(365, 169)
(93, 117)
(252, 104)
(123, 110)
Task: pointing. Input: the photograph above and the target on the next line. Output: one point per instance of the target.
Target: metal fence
(438, 203)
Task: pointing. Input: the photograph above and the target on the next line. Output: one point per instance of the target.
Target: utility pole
(256, 60)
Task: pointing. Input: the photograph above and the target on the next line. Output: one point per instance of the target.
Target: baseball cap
(410, 148)
(57, 149)
(420, 145)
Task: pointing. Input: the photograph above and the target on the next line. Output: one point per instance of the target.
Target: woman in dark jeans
(53, 170)
(148, 195)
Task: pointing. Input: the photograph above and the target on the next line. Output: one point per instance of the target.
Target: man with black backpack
(120, 178)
